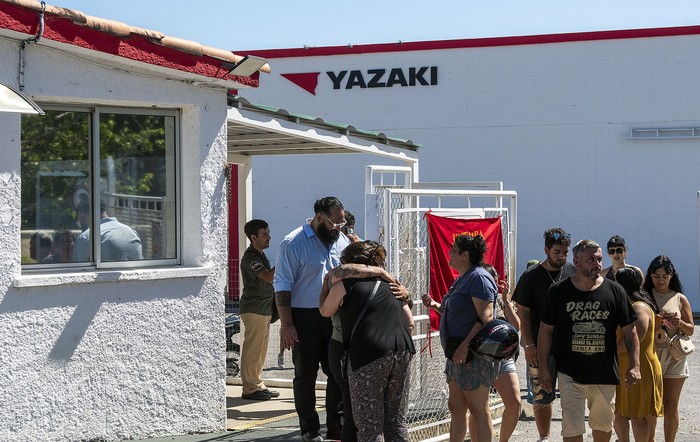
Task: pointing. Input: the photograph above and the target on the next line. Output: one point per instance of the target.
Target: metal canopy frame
(258, 130)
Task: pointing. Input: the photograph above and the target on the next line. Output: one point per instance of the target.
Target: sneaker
(271, 393)
(280, 360)
(543, 439)
(257, 396)
(312, 437)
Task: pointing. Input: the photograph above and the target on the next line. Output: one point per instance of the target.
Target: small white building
(92, 348)
(598, 132)
(125, 340)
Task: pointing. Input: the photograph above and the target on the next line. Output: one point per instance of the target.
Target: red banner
(442, 232)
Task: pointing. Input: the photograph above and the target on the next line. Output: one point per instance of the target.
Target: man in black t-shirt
(530, 293)
(580, 318)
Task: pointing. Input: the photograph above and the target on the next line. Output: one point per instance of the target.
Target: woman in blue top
(467, 305)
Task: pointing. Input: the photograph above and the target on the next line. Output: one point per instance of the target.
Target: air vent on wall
(665, 133)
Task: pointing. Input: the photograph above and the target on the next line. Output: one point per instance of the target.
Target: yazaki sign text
(371, 78)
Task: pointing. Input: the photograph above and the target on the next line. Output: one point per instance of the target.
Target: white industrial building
(105, 348)
(598, 132)
(594, 131)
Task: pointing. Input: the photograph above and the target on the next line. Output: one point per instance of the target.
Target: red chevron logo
(307, 80)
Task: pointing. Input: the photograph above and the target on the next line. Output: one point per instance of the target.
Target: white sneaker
(543, 439)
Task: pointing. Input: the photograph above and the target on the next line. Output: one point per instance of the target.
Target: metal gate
(399, 210)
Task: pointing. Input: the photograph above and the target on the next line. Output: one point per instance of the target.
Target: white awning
(256, 130)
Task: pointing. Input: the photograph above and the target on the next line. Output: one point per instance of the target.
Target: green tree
(56, 156)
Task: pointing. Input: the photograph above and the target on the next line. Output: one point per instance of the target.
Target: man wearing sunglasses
(306, 255)
(530, 294)
(617, 251)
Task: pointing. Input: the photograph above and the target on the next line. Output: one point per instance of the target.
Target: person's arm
(288, 333)
(484, 309)
(544, 346)
(137, 245)
(508, 310)
(283, 283)
(431, 303)
(643, 313)
(685, 321)
(642, 323)
(408, 316)
(531, 353)
(524, 295)
(345, 271)
(351, 270)
(330, 305)
(629, 333)
(267, 275)
(325, 288)
(401, 293)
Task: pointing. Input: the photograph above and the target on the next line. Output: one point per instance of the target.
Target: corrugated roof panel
(318, 122)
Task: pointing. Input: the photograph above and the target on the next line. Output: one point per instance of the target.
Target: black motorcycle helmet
(495, 342)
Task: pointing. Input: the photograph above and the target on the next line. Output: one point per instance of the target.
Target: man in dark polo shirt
(256, 310)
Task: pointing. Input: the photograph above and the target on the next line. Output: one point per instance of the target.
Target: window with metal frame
(111, 171)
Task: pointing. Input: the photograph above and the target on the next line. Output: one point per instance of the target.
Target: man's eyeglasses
(335, 225)
(618, 250)
(557, 235)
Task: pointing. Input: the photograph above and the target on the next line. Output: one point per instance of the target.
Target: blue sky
(240, 25)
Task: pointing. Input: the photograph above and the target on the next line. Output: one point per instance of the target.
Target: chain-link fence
(428, 414)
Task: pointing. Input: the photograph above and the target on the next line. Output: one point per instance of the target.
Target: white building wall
(116, 354)
(549, 120)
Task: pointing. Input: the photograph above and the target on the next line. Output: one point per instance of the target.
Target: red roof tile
(74, 28)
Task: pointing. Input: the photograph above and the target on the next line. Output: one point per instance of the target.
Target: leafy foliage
(56, 151)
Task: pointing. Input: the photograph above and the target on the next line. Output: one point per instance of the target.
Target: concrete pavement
(275, 420)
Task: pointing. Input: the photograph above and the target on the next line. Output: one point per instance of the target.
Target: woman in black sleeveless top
(379, 345)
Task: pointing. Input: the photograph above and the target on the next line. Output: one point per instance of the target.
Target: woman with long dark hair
(675, 316)
(641, 403)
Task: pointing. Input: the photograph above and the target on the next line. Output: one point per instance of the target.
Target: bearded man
(306, 255)
(580, 319)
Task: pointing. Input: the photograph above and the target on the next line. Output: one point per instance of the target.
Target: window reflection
(135, 181)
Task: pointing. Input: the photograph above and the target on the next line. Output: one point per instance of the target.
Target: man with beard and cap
(306, 255)
(530, 293)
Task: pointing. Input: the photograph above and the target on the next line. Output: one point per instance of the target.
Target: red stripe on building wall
(234, 270)
(134, 47)
(474, 42)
